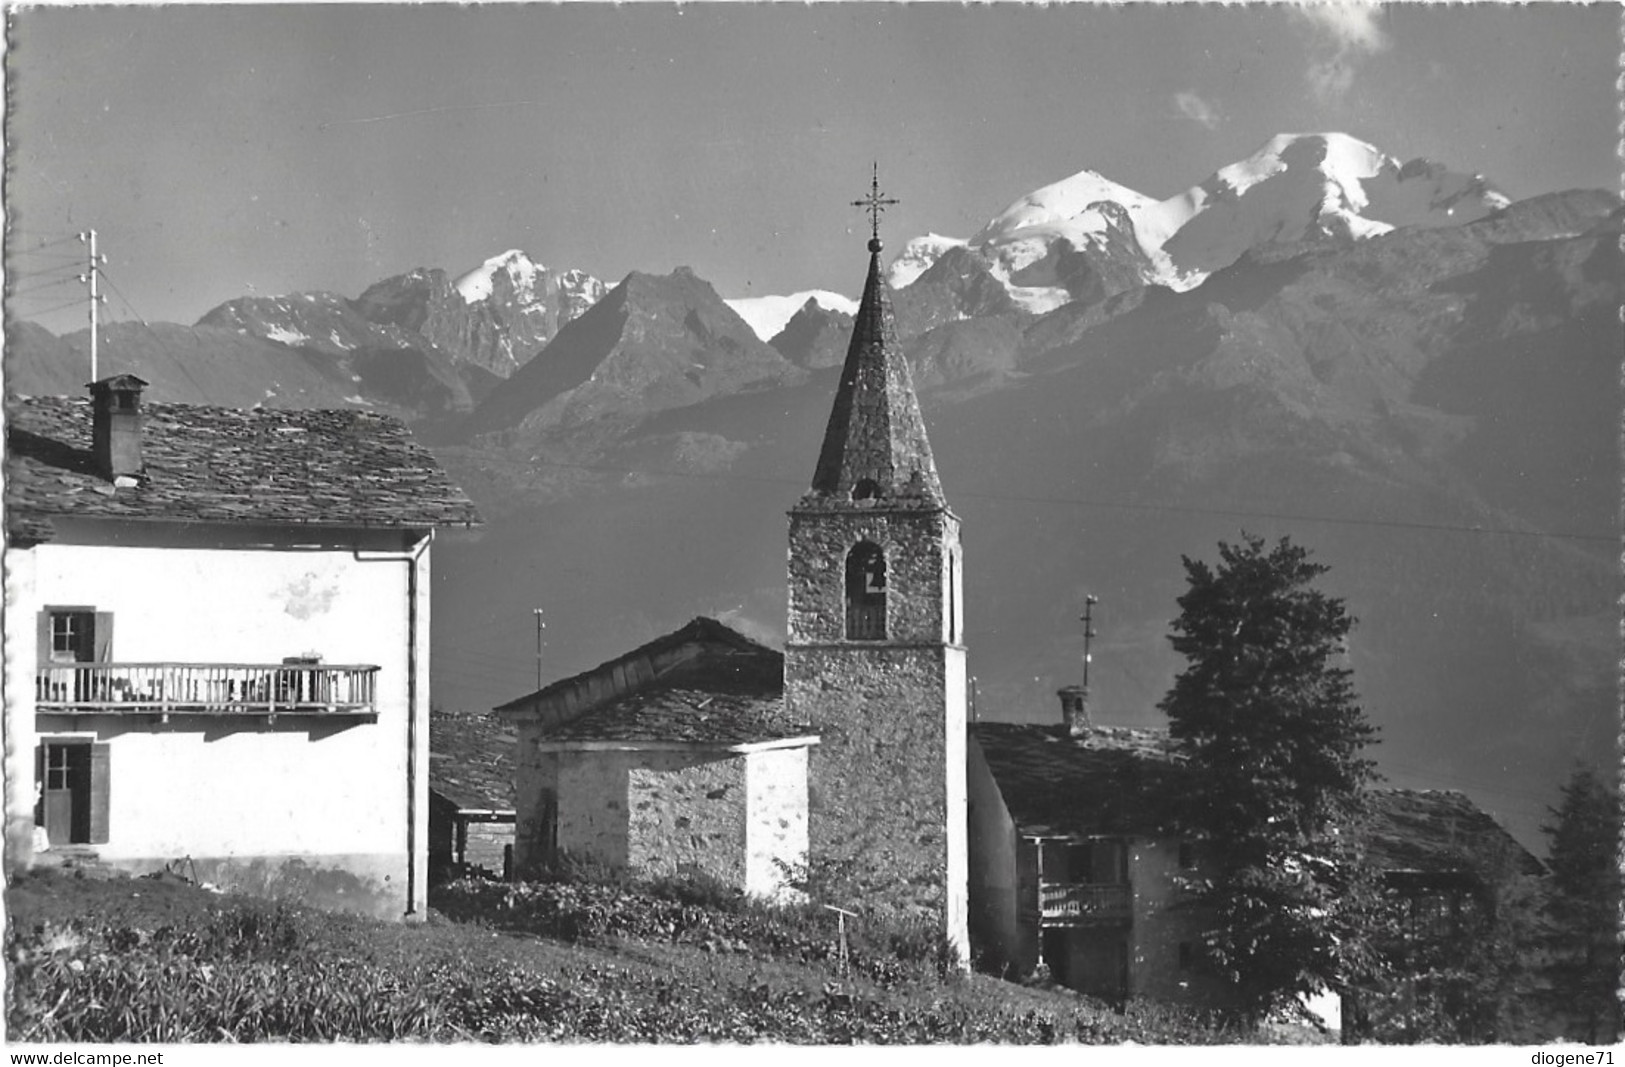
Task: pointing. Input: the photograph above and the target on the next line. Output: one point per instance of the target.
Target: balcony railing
(1070, 903)
(205, 688)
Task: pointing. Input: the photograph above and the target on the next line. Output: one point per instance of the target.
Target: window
(1187, 855)
(866, 489)
(72, 635)
(1186, 956)
(866, 593)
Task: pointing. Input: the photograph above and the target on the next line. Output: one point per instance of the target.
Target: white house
(217, 643)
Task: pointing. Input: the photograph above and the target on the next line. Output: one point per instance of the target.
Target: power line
(38, 286)
(59, 307)
(1276, 516)
(142, 319)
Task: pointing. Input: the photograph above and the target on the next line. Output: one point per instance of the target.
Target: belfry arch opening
(866, 592)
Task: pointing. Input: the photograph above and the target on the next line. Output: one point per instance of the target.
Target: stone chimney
(115, 435)
(1075, 709)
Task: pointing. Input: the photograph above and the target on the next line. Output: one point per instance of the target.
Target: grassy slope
(136, 959)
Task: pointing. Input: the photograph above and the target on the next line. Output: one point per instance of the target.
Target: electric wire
(1183, 509)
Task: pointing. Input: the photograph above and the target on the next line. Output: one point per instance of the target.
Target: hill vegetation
(141, 960)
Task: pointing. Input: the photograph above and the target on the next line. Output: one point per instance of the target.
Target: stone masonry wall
(687, 813)
(1163, 920)
(887, 782)
(917, 547)
(876, 796)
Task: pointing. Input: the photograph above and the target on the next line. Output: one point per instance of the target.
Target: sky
(243, 150)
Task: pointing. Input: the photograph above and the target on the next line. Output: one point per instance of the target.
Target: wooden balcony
(1080, 904)
(166, 689)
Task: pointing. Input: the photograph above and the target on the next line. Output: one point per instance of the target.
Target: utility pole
(1088, 617)
(91, 276)
(540, 626)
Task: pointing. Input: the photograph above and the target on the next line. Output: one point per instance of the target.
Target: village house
(859, 725)
(1448, 862)
(217, 644)
(471, 808)
(1077, 862)
(1075, 858)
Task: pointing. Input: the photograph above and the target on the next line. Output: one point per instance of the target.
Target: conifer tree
(1266, 714)
(1582, 908)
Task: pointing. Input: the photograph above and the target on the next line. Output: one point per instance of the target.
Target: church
(841, 759)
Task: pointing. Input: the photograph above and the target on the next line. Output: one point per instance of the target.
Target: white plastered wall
(234, 785)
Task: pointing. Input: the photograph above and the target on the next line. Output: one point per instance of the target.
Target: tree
(1266, 715)
(1461, 961)
(1583, 898)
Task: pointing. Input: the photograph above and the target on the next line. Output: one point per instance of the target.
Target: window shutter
(104, 637)
(100, 761)
(44, 638)
(39, 784)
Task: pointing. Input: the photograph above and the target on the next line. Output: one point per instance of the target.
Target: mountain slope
(654, 342)
(187, 364)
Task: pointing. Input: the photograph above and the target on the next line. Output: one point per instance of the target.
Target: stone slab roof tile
(684, 715)
(1438, 831)
(1114, 780)
(730, 693)
(212, 464)
(471, 761)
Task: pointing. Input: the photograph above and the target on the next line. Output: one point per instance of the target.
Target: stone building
(1075, 860)
(867, 701)
(1077, 863)
(672, 759)
(217, 644)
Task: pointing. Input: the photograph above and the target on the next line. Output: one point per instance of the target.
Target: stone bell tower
(875, 657)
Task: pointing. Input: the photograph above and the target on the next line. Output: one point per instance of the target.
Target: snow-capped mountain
(1297, 187)
(496, 316)
(917, 256)
(1312, 186)
(482, 327)
(767, 315)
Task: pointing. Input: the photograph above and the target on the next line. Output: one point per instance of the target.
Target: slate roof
(1114, 780)
(212, 464)
(731, 693)
(875, 431)
(1437, 832)
(703, 713)
(1117, 780)
(471, 761)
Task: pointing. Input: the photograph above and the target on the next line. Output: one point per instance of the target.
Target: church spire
(875, 446)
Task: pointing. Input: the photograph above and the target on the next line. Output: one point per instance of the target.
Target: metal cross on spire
(876, 204)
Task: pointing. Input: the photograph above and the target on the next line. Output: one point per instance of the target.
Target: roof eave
(743, 747)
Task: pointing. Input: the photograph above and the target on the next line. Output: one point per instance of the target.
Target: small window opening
(1186, 955)
(866, 593)
(866, 489)
(1187, 855)
(72, 636)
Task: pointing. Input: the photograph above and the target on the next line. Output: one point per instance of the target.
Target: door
(66, 793)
